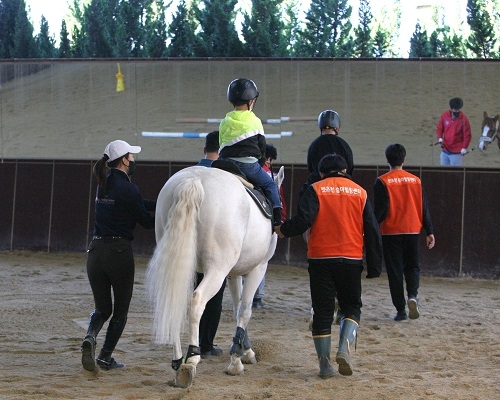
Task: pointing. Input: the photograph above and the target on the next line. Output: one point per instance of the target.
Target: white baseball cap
(118, 148)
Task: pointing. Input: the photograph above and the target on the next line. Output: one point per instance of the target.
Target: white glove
(440, 140)
(463, 152)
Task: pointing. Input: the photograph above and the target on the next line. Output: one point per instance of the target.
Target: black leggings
(328, 279)
(110, 266)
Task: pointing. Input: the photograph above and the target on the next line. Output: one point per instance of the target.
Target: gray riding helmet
(329, 119)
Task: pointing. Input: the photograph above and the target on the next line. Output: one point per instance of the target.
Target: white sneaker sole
(413, 309)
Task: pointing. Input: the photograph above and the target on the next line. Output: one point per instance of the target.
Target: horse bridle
(490, 139)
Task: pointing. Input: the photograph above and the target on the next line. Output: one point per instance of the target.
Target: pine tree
(482, 38)
(155, 30)
(24, 42)
(381, 42)
(327, 30)
(263, 30)
(363, 43)
(291, 28)
(183, 40)
(419, 43)
(16, 31)
(64, 42)
(219, 36)
(44, 42)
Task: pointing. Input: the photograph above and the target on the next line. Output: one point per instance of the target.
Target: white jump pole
(191, 135)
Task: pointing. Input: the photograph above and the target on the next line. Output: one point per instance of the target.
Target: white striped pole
(191, 135)
(264, 121)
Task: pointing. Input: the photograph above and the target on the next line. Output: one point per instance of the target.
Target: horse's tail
(171, 273)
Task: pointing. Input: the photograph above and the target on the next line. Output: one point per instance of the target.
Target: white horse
(206, 222)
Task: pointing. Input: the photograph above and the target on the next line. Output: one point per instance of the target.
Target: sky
(56, 10)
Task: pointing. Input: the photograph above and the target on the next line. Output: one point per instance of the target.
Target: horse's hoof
(185, 375)
(249, 357)
(236, 367)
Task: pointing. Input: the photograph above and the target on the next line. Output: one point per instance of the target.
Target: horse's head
(489, 130)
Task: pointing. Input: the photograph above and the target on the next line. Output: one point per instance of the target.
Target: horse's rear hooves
(185, 376)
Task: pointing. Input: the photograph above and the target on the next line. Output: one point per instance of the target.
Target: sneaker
(109, 364)
(413, 308)
(257, 303)
(401, 316)
(88, 353)
(212, 353)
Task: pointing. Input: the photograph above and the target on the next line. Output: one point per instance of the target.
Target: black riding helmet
(241, 91)
(329, 119)
(456, 103)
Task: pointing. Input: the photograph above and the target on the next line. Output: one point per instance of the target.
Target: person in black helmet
(453, 133)
(328, 142)
(242, 141)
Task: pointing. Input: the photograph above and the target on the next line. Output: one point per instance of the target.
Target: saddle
(255, 193)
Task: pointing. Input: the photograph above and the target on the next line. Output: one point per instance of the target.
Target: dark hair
(456, 103)
(395, 154)
(212, 142)
(100, 171)
(271, 152)
(332, 163)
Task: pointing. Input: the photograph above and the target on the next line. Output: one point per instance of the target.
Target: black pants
(402, 265)
(328, 279)
(111, 269)
(210, 318)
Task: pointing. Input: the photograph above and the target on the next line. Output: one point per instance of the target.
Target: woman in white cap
(110, 262)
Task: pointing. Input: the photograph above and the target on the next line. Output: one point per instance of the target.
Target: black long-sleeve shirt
(117, 213)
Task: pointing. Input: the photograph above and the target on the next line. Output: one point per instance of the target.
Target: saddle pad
(261, 201)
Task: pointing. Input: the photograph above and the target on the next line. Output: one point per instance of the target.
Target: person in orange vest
(401, 210)
(342, 225)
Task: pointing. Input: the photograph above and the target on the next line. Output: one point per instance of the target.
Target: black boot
(113, 334)
(96, 322)
(277, 221)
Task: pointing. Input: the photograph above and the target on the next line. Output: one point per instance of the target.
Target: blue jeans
(259, 294)
(258, 177)
(453, 159)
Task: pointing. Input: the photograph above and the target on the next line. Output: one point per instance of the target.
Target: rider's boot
(323, 347)
(277, 221)
(348, 338)
(113, 334)
(96, 322)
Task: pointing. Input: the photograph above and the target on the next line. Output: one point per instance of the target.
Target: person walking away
(401, 209)
(110, 261)
(453, 133)
(271, 155)
(242, 140)
(336, 204)
(328, 142)
(210, 318)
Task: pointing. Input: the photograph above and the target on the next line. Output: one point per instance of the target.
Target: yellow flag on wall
(120, 87)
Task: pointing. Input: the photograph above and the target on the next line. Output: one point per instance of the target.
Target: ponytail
(100, 170)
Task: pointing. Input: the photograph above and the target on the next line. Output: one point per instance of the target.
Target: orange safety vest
(405, 213)
(337, 231)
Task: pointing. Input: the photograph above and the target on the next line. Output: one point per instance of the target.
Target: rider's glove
(463, 152)
(440, 140)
